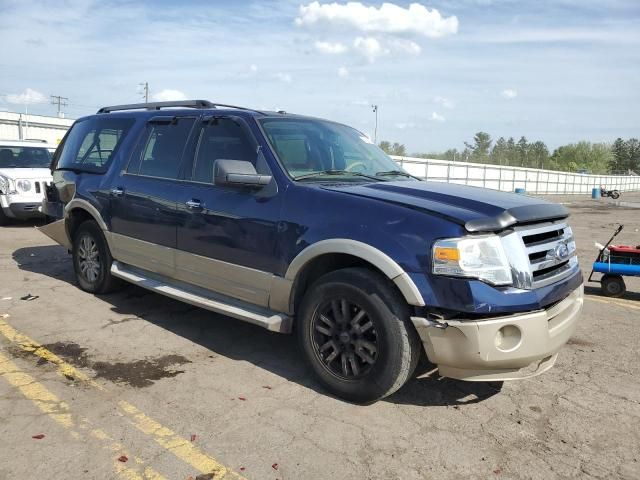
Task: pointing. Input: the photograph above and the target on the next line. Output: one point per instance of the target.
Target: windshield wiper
(398, 173)
(336, 172)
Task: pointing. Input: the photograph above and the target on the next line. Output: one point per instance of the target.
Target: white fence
(506, 178)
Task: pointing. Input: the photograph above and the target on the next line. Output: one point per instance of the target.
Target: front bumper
(22, 210)
(501, 348)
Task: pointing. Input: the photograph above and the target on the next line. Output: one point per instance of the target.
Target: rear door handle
(117, 192)
(194, 204)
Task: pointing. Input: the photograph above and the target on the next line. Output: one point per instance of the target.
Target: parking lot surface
(134, 385)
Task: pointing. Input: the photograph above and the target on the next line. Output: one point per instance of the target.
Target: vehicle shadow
(597, 292)
(29, 223)
(241, 341)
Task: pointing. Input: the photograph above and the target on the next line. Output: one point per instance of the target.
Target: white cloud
(389, 18)
(405, 46)
(168, 95)
(509, 93)
(27, 97)
(343, 72)
(404, 126)
(253, 68)
(284, 77)
(445, 102)
(330, 48)
(436, 117)
(369, 47)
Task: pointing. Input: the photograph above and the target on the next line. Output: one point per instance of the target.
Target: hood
(26, 173)
(477, 209)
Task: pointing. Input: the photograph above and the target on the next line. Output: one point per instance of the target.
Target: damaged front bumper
(57, 231)
(501, 348)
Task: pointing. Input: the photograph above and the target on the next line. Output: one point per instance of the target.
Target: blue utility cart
(615, 262)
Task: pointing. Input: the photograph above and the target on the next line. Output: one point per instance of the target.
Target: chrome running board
(199, 297)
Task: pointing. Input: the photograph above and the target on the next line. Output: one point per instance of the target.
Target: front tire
(92, 260)
(615, 194)
(355, 332)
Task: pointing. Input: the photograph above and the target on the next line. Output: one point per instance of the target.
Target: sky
(439, 71)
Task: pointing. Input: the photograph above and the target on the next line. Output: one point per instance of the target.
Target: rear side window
(91, 144)
(160, 150)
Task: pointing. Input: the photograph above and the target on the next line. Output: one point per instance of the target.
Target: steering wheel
(356, 164)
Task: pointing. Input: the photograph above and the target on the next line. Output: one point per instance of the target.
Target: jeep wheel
(355, 332)
(92, 260)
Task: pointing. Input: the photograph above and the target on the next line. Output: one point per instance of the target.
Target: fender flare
(90, 209)
(95, 214)
(372, 255)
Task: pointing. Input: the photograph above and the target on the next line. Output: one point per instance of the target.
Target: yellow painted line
(182, 448)
(615, 301)
(177, 445)
(59, 411)
(28, 345)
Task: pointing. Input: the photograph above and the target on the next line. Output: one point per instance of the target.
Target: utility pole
(60, 102)
(375, 129)
(145, 87)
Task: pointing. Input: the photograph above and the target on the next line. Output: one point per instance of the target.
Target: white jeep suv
(24, 175)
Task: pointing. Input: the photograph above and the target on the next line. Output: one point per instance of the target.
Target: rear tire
(355, 332)
(613, 286)
(92, 260)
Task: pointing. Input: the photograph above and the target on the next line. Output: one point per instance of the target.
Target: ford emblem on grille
(560, 252)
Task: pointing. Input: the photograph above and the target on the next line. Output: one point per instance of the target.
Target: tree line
(622, 156)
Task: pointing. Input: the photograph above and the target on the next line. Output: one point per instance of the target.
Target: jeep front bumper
(501, 348)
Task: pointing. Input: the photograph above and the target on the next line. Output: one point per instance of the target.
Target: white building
(21, 126)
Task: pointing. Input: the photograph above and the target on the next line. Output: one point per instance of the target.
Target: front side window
(317, 149)
(91, 144)
(222, 139)
(24, 157)
(160, 152)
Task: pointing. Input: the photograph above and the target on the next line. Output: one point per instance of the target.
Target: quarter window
(91, 144)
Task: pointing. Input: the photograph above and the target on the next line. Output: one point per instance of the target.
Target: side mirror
(238, 173)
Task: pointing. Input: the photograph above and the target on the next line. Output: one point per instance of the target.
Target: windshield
(319, 150)
(24, 157)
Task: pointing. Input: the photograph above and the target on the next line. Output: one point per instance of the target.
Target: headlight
(6, 185)
(24, 185)
(483, 258)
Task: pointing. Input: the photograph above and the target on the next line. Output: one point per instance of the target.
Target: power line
(61, 102)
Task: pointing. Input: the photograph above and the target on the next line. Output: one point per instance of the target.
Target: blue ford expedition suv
(302, 225)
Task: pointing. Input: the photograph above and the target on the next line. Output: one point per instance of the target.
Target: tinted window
(24, 157)
(305, 146)
(160, 150)
(91, 144)
(222, 138)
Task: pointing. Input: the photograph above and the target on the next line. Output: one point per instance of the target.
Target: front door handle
(194, 204)
(117, 192)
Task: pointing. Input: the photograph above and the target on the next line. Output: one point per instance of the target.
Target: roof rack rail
(179, 103)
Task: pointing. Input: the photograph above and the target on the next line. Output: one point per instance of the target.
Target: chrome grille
(541, 254)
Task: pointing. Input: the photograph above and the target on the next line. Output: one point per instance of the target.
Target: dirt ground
(134, 385)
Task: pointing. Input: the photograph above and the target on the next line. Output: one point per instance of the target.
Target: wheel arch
(329, 255)
(78, 211)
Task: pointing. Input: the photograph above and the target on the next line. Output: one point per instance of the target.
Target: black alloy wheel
(345, 339)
